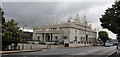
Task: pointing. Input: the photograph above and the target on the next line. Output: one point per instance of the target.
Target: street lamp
(23, 36)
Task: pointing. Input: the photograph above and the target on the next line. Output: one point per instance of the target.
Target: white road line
(112, 53)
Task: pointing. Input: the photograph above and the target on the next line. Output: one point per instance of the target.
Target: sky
(44, 12)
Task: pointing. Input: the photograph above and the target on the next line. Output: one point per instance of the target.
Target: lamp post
(23, 36)
(85, 34)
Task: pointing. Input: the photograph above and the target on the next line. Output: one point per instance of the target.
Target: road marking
(112, 53)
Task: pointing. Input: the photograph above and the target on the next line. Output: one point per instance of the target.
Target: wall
(35, 46)
(66, 32)
(78, 45)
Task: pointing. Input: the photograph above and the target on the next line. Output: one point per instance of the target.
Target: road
(93, 50)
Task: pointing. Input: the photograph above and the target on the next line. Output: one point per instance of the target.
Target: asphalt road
(93, 50)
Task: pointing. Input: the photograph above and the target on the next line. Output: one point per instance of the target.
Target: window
(81, 41)
(71, 42)
(75, 31)
(75, 38)
(56, 37)
(81, 38)
(38, 37)
(65, 37)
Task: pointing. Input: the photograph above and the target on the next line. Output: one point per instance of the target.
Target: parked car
(118, 47)
(107, 44)
(112, 44)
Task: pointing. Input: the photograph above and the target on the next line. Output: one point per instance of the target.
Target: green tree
(2, 21)
(103, 36)
(11, 34)
(2, 18)
(111, 19)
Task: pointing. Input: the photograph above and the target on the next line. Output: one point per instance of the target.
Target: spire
(77, 19)
(77, 13)
(56, 20)
(69, 19)
(84, 19)
(84, 15)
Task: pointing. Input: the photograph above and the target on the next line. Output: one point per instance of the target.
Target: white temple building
(71, 33)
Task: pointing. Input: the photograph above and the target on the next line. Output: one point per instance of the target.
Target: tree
(2, 18)
(103, 36)
(111, 19)
(2, 21)
(11, 34)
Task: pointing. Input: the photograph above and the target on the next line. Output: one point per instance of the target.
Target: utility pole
(23, 36)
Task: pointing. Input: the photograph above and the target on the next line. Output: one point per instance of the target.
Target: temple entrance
(47, 37)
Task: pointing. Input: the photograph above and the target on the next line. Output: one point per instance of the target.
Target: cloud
(45, 12)
(57, 0)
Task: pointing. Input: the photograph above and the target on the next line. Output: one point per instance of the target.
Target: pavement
(23, 51)
(93, 51)
(72, 51)
(18, 51)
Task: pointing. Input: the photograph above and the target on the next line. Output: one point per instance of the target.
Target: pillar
(51, 36)
(44, 37)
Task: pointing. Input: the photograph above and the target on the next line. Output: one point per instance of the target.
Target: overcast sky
(45, 12)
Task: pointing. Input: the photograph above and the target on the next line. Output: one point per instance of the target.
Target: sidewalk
(22, 51)
(34, 50)
(18, 51)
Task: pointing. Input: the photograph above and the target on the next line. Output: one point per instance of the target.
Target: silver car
(107, 44)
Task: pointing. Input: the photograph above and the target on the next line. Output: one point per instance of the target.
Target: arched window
(56, 37)
(75, 38)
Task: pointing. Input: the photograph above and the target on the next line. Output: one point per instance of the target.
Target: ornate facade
(71, 32)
